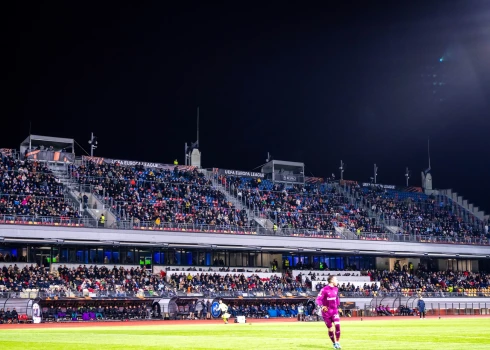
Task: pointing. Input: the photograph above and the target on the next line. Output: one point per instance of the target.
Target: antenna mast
(428, 150)
(189, 150)
(93, 144)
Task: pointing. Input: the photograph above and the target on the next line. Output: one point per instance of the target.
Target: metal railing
(481, 240)
(74, 293)
(46, 220)
(427, 224)
(150, 225)
(290, 232)
(231, 229)
(18, 295)
(256, 293)
(434, 309)
(412, 293)
(323, 234)
(86, 180)
(20, 197)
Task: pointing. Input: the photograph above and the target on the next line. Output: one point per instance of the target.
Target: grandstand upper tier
(178, 195)
(30, 189)
(416, 213)
(319, 206)
(157, 196)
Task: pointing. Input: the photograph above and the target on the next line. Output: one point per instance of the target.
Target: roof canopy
(59, 143)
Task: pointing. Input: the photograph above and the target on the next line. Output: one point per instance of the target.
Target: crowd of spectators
(415, 213)
(183, 195)
(237, 282)
(28, 188)
(317, 206)
(179, 195)
(428, 283)
(117, 281)
(440, 282)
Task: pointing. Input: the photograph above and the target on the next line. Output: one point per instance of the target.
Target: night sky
(310, 84)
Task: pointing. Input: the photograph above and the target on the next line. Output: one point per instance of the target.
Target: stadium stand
(158, 196)
(184, 198)
(264, 282)
(81, 280)
(121, 281)
(309, 206)
(416, 213)
(29, 193)
(431, 284)
(465, 283)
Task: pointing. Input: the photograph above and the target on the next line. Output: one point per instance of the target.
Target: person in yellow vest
(102, 220)
(157, 221)
(176, 162)
(274, 228)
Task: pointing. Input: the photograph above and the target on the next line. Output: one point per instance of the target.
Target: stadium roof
(59, 142)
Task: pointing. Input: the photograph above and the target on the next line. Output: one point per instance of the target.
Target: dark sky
(310, 84)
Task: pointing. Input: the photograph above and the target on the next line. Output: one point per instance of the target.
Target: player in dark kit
(329, 302)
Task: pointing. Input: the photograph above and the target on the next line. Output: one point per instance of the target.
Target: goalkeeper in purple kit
(329, 302)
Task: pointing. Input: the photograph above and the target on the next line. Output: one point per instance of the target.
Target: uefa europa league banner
(238, 173)
(132, 163)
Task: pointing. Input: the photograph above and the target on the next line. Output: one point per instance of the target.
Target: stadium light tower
(375, 172)
(342, 167)
(407, 175)
(93, 144)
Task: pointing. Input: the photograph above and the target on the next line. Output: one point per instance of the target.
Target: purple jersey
(329, 297)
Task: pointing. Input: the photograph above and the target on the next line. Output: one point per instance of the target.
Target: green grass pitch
(410, 334)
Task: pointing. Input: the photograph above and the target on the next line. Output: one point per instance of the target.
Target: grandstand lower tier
(303, 308)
